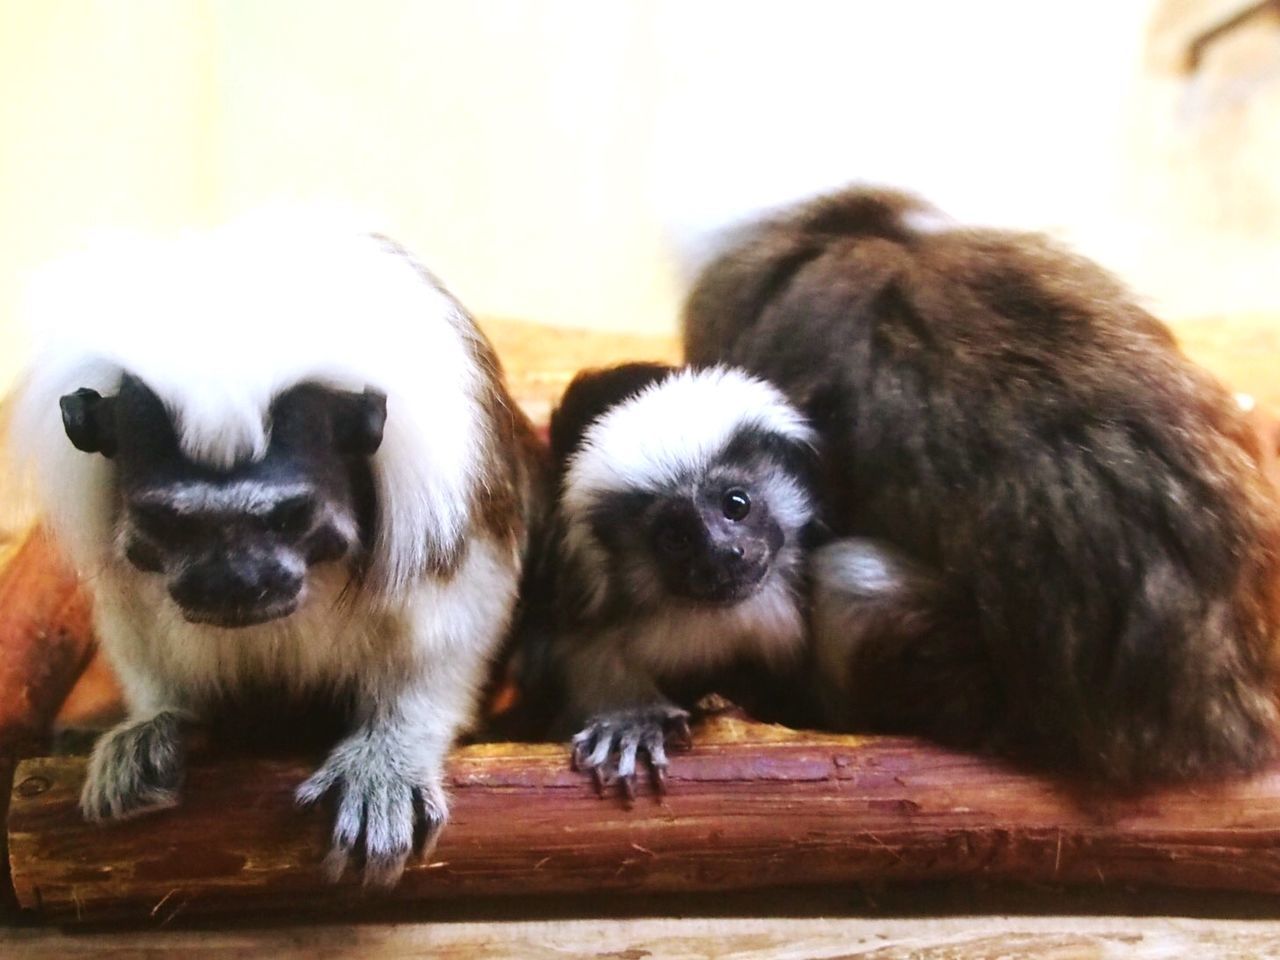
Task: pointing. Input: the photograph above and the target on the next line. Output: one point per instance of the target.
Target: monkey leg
(893, 650)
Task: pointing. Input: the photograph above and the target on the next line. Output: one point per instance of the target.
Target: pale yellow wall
(106, 117)
(502, 141)
(565, 160)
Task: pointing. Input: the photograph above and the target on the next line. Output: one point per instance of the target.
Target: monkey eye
(291, 517)
(161, 522)
(735, 505)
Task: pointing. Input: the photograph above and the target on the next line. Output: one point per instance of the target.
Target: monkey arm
(386, 777)
(414, 699)
(602, 676)
(138, 765)
(624, 711)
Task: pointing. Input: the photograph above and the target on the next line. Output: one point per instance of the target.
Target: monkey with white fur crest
(281, 456)
(682, 509)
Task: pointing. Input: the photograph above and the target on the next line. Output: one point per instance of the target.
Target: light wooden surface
(968, 938)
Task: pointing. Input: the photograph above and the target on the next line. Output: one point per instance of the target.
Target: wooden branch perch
(752, 806)
(45, 641)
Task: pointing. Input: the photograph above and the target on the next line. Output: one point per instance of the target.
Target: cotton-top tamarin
(1073, 556)
(282, 458)
(677, 561)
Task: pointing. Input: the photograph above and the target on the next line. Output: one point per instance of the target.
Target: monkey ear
(358, 421)
(591, 394)
(90, 421)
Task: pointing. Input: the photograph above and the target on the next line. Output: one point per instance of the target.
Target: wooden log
(750, 807)
(8, 900)
(45, 641)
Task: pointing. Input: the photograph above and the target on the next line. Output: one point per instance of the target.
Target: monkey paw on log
(676, 562)
(318, 485)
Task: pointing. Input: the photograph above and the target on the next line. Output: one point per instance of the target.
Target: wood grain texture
(45, 641)
(751, 807)
(971, 938)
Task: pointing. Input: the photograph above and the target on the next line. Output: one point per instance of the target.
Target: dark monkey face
(715, 545)
(713, 541)
(234, 546)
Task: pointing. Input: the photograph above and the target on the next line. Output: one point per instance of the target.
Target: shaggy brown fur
(1005, 415)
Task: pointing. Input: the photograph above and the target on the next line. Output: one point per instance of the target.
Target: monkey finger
(315, 786)
(603, 747)
(598, 779)
(335, 863)
(627, 785)
(655, 747)
(658, 774)
(430, 813)
(388, 833)
(430, 832)
(583, 744)
(384, 871)
(628, 744)
(681, 737)
(347, 827)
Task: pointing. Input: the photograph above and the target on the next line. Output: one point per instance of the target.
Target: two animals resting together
(916, 478)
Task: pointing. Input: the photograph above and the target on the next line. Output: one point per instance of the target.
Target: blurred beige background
(568, 162)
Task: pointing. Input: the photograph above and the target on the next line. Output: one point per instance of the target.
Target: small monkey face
(715, 544)
(234, 552)
(235, 546)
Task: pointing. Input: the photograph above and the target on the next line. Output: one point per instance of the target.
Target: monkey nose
(735, 555)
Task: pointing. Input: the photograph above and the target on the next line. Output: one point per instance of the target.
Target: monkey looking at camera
(1063, 549)
(677, 554)
(319, 487)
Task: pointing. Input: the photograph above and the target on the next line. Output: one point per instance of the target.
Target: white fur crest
(674, 428)
(217, 324)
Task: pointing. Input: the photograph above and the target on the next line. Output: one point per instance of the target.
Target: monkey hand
(622, 734)
(386, 805)
(135, 767)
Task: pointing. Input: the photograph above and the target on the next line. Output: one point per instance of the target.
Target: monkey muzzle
(728, 575)
(237, 590)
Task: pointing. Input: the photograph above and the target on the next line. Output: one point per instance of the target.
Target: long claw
(659, 773)
(609, 747)
(603, 747)
(683, 737)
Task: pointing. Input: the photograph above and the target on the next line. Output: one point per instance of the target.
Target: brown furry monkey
(1062, 547)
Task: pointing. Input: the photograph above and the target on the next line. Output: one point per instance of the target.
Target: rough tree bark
(45, 641)
(752, 806)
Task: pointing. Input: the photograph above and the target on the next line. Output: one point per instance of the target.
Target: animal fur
(628, 646)
(1070, 521)
(219, 325)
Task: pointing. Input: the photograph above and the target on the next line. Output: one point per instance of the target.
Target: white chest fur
(335, 637)
(679, 640)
